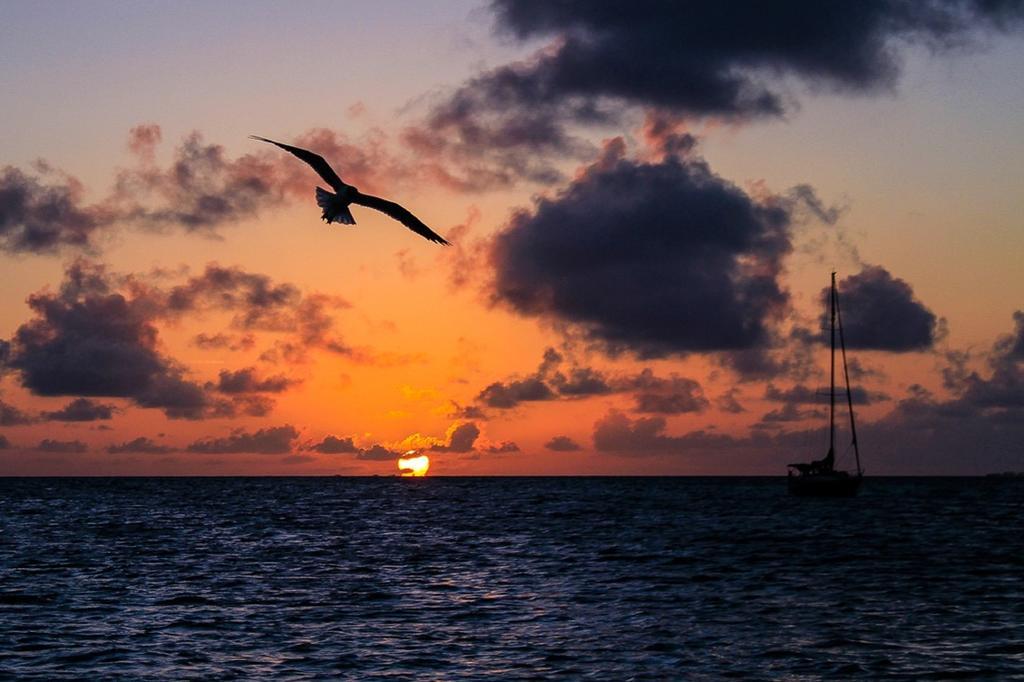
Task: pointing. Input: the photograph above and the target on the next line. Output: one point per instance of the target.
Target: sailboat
(820, 478)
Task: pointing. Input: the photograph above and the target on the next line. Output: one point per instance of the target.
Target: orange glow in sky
(173, 303)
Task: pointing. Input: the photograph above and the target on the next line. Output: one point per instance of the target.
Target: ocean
(471, 578)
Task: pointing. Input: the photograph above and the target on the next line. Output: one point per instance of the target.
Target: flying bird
(336, 205)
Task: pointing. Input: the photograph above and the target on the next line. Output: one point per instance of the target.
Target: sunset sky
(644, 209)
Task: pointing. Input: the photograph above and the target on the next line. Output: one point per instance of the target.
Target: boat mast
(832, 373)
(846, 376)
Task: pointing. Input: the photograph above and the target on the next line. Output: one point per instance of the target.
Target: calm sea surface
(608, 578)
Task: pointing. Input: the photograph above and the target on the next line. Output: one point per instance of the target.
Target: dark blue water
(467, 578)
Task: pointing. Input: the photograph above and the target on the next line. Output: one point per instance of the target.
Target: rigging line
(846, 376)
(832, 370)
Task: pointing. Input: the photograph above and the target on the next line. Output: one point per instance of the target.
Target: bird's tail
(335, 208)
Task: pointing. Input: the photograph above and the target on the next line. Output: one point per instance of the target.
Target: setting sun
(414, 466)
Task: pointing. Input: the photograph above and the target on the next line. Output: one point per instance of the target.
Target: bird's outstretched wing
(390, 208)
(315, 160)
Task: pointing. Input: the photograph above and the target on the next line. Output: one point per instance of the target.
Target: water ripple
(511, 578)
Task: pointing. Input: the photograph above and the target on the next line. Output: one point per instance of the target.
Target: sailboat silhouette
(820, 478)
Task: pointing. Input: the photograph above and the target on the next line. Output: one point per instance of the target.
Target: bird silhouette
(336, 206)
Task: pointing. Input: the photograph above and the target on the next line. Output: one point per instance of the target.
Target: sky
(644, 212)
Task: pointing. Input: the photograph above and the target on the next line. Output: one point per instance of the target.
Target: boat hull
(824, 485)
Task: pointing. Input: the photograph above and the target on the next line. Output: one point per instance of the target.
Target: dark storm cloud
(1002, 391)
(251, 404)
(655, 258)
(787, 356)
(801, 394)
(978, 429)
(270, 441)
(858, 370)
(666, 134)
(178, 397)
(332, 445)
(255, 297)
(503, 447)
(675, 403)
(615, 432)
(4, 443)
(140, 445)
(1010, 347)
(246, 380)
(533, 388)
(463, 437)
(81, 410)
(729, 60)
(11, 415)
(563, 444)
(460, 438)
(879, 312)
(203, 189)
(581, 382)
(475, 147)
(261, 304)
(98, 336)
(727, 402)
(222, 341)
(65, 446)
(457, 411)
(378, 453)
(790, 412)
(921, 435)
(506, 395)
(43, 214)
(672, 395)
(675, 395)
(200, 190)
(88, 339)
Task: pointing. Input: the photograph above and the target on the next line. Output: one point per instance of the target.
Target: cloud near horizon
(268, 441)
(334, 445)
(12, 415)
(981, 425)
(98, 336)
(62, 446)
(563, 444)
(651, 393)
(81, 410)
(141, 445)
(461, 437)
